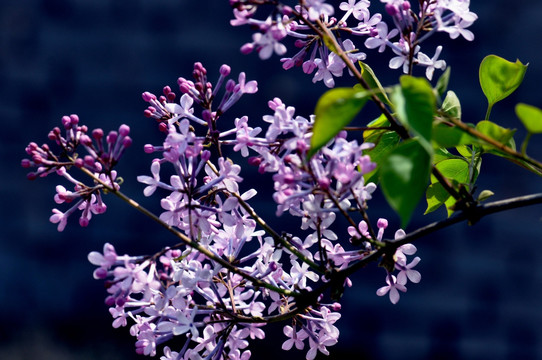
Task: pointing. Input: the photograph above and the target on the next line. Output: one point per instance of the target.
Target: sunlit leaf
(496, 132)
(456, 170)
(436, 196)
(334, 110)
(451, 105)
(531, 117)
(499, 78)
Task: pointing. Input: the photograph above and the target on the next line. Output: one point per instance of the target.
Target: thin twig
(189, 242)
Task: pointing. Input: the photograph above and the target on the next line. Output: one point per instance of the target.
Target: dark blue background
(480, 295)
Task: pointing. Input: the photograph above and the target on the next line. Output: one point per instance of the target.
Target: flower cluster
(231, 273)
(307, 22)
(99, 163)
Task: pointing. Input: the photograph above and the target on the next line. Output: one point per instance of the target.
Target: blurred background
(480, 296)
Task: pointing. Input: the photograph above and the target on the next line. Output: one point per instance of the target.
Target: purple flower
(152, 182)
(382, 39)
(432, 63)
(318, 8)
(332, 66)
(294, 338)
(392, 287)
(266, 44)
(405, 271)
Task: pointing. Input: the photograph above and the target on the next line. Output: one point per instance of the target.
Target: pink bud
(225, 70)
(25, 163)
(147, 96)
(124, 130)
(247, 48)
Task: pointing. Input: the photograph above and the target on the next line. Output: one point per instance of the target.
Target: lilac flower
(236, 355)
(182, 110)
(361, 230)
(253, 331)
(358, 8)
(146, 343)
(317, 8)
(182, 325)
(104, 261)
(459, 28)
(319, 345)
(245, 136)
(432, 63)
(332, 66)
(382, 39)
(152, 182)
(170, 355)
(294, 338)
(406, 272)
(300, 274)
(266, 45)
(208, 341)
(402, 50)
(392, 287)
(59, 218)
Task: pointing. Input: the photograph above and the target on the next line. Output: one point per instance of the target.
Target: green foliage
(384, 140)
(404, 174)
(451, 105)
(415, 104)
(334, 110)
(455, 169)
(498, 133)
(446, 136)
(442, 82)
(499, 78)
(531, 117)
(436, 196)
(369, 76)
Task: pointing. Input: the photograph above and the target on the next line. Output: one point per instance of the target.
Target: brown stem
(473, 215)
(189, 242)
(507, 150)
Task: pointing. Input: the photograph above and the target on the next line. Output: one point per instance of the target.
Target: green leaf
(442, 82)
(334, 110)
(415, 105)
(404, 175)
(450, 136)
(464, 151)
(384, 140)
(371, 135)
(456, 170)
(496, 132)
(436, 196)
(368, 74)
(499, 78)
(442, 154)
(451, 105)
(531, 117)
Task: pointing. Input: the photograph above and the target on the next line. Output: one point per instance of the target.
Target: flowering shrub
(229, 273)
